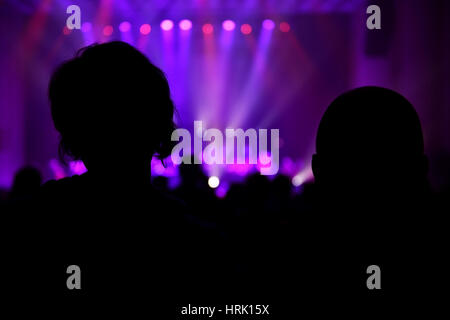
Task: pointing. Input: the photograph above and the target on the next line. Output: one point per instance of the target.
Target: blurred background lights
(213, 182)
(107, 30)
(185, 24)
(246, 29)
(167, 25)
(66, 31)
(302, 177)
(207, 28)
(297, 180)
(268, 24)
(86, 27)
(145, 29)
(228, 25)
(125, 26)
(285, 27)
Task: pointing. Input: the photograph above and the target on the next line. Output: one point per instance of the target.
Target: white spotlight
(213, 182)
(298, 180)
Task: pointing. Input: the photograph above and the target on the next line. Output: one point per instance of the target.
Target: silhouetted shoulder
(57, 188)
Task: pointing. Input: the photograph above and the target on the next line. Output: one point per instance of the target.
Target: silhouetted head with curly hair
(110, 104)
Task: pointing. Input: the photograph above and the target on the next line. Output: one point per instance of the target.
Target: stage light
(302, 177)
(213, 182)
(108, 30)
(268, 24)
(297, 180)
(246, 29)
(185, 24)
(285, 27)
(66, 31)
(228, 25)
(86, 27)
(167, 25)
(145, 29)
(208, 28)
(125, 26)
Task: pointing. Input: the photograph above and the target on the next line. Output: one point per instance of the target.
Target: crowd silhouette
(370, 204)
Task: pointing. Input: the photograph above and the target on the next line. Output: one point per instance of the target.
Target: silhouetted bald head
(367, 138)
(370, 120)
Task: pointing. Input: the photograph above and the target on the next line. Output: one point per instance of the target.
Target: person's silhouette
(113, 110)
(370, 173)
(370, 146)
(26, 183)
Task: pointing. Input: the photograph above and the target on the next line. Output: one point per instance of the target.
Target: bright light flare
(185, 24)
(302, 177)
(228, 25)
(167, 25)
(213, 182)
